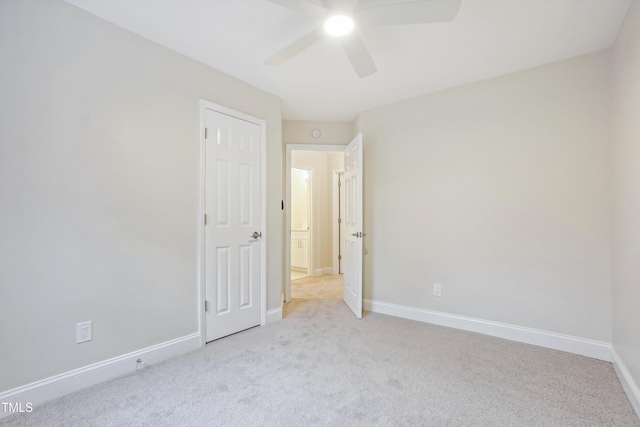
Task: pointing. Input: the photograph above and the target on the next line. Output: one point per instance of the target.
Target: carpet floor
(322, 366)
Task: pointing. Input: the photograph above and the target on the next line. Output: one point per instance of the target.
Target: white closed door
(352, 185)
(232, 225)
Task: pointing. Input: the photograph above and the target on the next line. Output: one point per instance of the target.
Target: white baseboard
(585, 347)
(628, 384)
(274, 315)
(59, 385)
(323, 271)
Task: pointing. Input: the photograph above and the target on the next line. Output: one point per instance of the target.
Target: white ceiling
(488, 38)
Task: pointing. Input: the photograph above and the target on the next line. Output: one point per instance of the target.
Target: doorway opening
(313, 223)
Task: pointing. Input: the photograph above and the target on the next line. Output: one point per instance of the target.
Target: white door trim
(335, 245)
(287, 185)
(207, 105)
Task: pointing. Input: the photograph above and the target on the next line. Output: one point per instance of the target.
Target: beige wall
(500, 191)
(299, 132)
(626, 196)
(99, 186)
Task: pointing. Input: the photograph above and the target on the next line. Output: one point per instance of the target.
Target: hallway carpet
(328, 286)
(320, 366)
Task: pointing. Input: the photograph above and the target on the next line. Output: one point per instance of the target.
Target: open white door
(352, 292)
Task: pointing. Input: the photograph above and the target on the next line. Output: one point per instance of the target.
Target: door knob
(255, 235)
(359, 234)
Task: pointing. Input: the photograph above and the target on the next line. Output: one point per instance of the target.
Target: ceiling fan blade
(358, 55)
(295, 48)
(347, 6)
(303, 6)
(416, 12)
(328, 4)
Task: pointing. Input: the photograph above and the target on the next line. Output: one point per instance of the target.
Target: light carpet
(322, 366)
(328, 286)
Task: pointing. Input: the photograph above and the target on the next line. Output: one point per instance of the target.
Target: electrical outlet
(437, 289)
(83, 332)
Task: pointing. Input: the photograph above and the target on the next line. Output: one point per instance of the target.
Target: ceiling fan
(341, 18)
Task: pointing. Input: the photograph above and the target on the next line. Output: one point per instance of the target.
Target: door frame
(310, 193)
(287, 226)
(201, 264)
(335, 174)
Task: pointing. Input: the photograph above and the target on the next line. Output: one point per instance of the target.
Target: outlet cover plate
(83, 332)
(437, 289)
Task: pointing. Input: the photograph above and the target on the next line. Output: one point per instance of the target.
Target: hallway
(305, 291)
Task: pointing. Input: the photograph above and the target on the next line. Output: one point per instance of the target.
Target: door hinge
(339, 220)
(206, 133)
(206, 305)
(339, 183)
(339, 257)
(205, 219)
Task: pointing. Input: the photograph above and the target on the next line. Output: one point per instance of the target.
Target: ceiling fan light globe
(338, 25)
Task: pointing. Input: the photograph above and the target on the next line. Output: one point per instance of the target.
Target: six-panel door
(232, 205)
